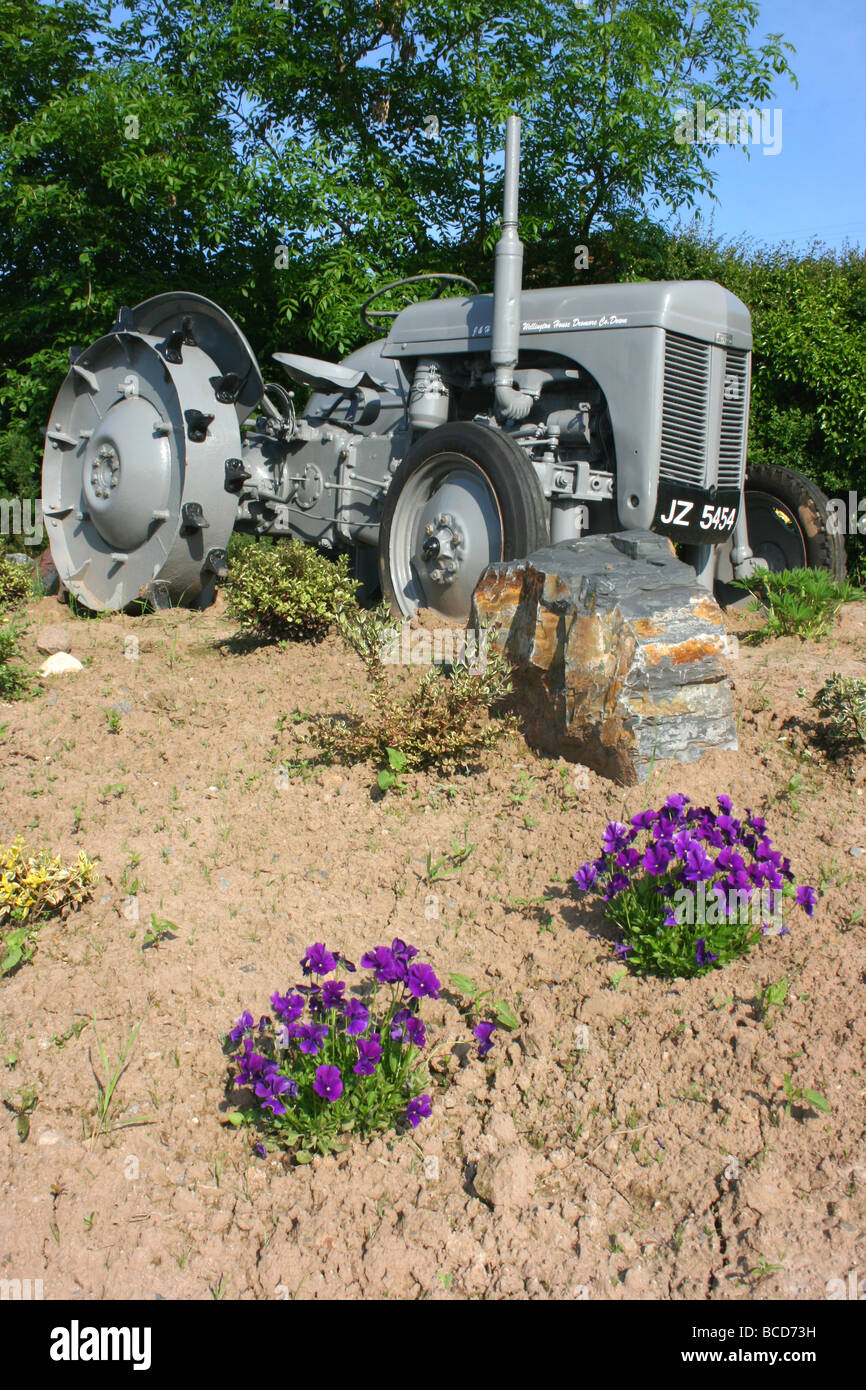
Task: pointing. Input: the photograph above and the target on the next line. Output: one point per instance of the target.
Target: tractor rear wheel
(464, 497)
(791, 525)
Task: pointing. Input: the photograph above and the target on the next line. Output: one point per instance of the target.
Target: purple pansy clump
(692, 867)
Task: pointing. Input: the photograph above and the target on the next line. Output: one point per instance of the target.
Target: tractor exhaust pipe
(507, 282)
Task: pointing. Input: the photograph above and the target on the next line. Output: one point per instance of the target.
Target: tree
(184, 144)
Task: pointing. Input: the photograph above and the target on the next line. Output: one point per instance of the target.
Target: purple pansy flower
(618, 883)
(656, 859)
(328, 1084)
(287, 1007)
(369, 1053)
(388, 971)
(318, 960)
(310, 1037)
(807, 897)
(585, 877)
(699, 866)
(614, 837)
(332, 994)
(272, 1087)
(244, 1023)
(702, 955)
(421, 983)
(484, 1033)
(418, 1110)
(357, 1017)
(402, 953)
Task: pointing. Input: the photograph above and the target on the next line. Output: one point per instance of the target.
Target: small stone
(50, 640)
(48, 1139)
(507, 1181)
(856, 850)
(60, 664)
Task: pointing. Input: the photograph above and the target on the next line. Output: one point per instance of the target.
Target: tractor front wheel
(464, 497)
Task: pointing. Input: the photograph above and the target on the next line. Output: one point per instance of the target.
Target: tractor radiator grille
(732, 444)
(685, 406)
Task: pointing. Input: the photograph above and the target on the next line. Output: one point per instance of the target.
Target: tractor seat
(327, 377)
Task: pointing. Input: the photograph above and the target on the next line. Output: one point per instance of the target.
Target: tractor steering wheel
(367, 316)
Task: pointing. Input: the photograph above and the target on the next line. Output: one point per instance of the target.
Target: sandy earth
(628, 1141)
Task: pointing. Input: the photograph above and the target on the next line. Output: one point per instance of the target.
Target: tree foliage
(182, 143)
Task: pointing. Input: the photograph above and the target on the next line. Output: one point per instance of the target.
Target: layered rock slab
(618, 654)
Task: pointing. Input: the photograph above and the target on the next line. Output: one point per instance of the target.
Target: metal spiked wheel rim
(133, 476)
(450, 500)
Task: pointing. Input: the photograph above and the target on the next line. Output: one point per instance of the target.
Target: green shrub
(14, 679)
(288, 590)
(16, 585)
(442, 719)
(800, 603)
(841, 702)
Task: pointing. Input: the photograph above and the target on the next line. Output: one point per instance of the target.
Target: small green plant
(773, 997)
(288, 590)
(799, 602)
(502, 1012)
(389, 776)
(15, 680)
(23, 1108)
(440, 716)
(158, 932)
(106, 1086)
(763, 1269)
(813, 1099)
(460, 854)
(841, 703)
(115, 723)
(16, 585)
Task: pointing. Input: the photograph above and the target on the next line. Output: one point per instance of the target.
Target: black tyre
(464, 497)
(790, 522)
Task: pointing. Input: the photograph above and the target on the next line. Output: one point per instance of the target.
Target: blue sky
(816, 184)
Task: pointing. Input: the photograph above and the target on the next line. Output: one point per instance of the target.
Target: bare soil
(627, 1141)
